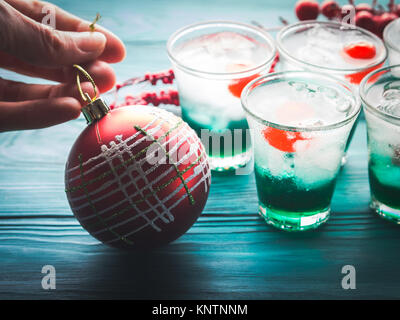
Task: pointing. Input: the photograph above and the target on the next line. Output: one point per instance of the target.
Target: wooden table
(230, 253)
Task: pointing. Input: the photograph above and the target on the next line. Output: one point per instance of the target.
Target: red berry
(360, 50)
(365, 20)
(165, 80)
(173, 94)
(383, 20)
(364, 7)
(330, 9)
(307, 10)
(145, 96)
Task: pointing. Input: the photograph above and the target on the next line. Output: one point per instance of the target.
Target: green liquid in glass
(230, 144)
(382, 169)
(285, 195)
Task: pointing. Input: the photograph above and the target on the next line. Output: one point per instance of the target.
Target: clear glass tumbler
(334, 48)
(391, 36)
(380, 95)
(213, 61)
(300, 124)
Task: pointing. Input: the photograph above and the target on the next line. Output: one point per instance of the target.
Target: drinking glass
(380, 96)
(300, 124)
(391, 37)
(338, 49)
(212, 62)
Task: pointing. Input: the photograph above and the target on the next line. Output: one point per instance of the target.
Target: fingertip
(70, 108)
(103, 75)
(114, 50)
(86, 87)
(90, 42)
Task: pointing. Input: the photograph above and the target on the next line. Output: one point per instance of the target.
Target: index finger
(65, 21)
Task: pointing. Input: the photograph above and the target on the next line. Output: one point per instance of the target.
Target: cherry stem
(270, 29)
(391, 5)
(283, 21)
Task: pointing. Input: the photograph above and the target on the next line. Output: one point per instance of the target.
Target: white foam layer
(209, 101)
(296, 103)
(221, 52)
(323, 46)
(316, 155)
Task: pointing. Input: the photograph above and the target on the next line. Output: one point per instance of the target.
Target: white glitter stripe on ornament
(147, 182)
(141, 161)
(141, 173)
(155, 189)
(201, 163)
(106, 153)
(165, 173)
(166, 117)
(100, 213)
(100, 156)
(203, 179)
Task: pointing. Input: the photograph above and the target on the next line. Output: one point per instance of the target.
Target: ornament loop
(85, 96)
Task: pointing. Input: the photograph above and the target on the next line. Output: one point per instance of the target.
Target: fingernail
(90, 41)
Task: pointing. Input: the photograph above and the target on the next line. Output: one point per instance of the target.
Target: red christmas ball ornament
(137, 176)
(307, 10)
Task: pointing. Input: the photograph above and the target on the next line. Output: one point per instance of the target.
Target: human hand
(31, 48)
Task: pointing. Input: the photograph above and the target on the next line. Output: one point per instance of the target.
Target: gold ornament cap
(96, 108)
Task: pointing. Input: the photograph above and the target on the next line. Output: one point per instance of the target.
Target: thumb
(42, 45)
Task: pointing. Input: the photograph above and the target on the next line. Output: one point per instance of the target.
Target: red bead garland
(372, 17)
(170, 97)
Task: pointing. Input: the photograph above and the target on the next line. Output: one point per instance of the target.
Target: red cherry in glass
(282, 140)
(237, 85)
(360, 50)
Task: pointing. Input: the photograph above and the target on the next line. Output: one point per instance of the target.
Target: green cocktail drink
(213, 62)
(301, 122)
(380, 94)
